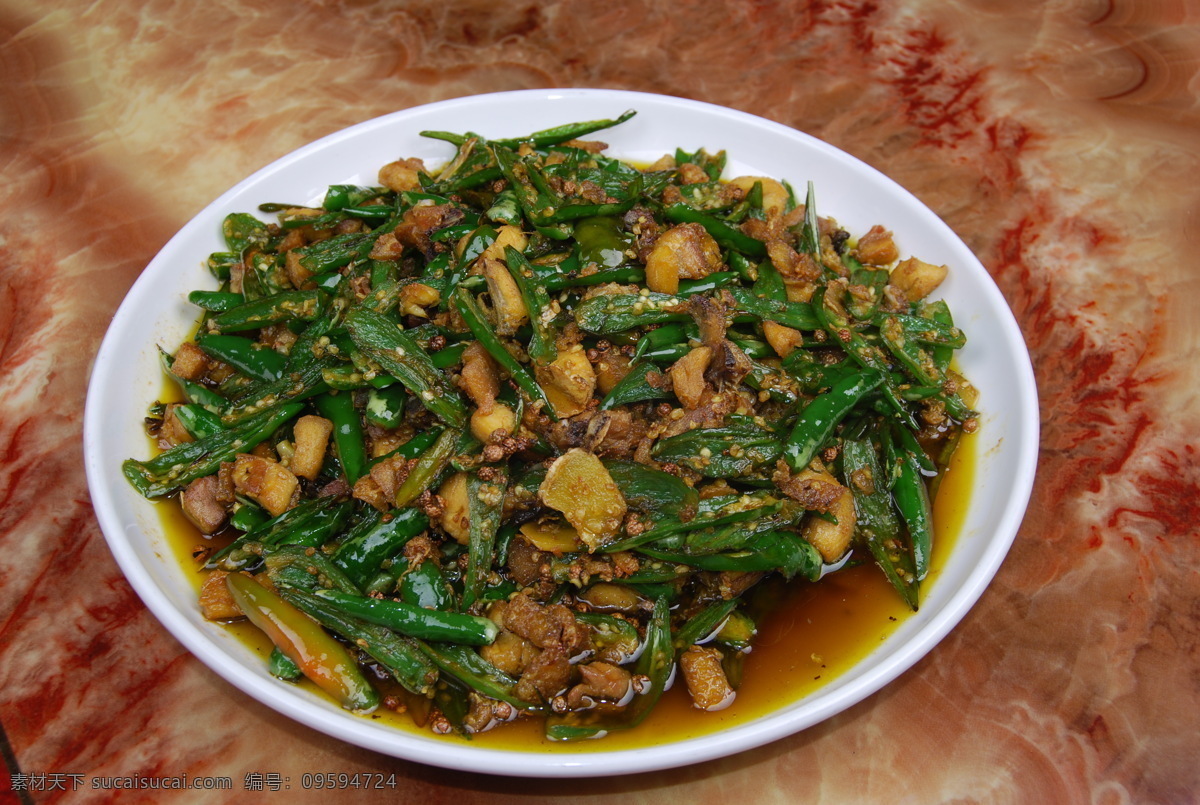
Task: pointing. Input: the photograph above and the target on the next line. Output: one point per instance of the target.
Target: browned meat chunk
(270, 483)
(311, 439)
(601, 680)
(545, 625)
(216, 602)
(202, 505)
(546, 677)
(876, 248)
(705, 678)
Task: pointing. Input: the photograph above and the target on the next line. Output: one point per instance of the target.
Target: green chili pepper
(428, 467)
(505, 209)
(402, 357)
(468, 308)
(637, 387)
(336, 252)
(729, 452)
(319, 656)
(316, 570)
(876, 521)
(718, 279)
(385, 406)
(424, 585)
(769, 284)
(559, 280)
(176, 468)
(194, 392)
(773, 550)
(561, 134)
(797, 315)
(912, 500)
(243, 231)
(362, 555)
(485, 503)
(306, 525)
(198, 421)
(653, 491)
(247, 516)
(282, 666)
(399, 656)
(601, 242)
(341, 196)
(723, 233)
(810, 231)
(614, 313)
(819, 418)
(216, 301)
(426, 624)
(248, 357)
(348, 439)
(542, 348)
(220, 264)
(290, 388)
(299, 305)
(703, 625)
(465, 665)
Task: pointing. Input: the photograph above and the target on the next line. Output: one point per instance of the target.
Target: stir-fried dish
(522, 435)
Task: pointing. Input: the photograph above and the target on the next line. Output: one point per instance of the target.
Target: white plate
(126, 378)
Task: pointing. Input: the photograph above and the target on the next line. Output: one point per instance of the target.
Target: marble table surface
(1059, 140)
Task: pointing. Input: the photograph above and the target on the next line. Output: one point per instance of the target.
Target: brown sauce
(817, 633)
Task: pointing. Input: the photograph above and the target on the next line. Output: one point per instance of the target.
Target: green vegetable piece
(243, 231)
(485, 503)
(319, 656)
(542, 347)
(704, 625)
(797, 315)
(198, 421)
(424, 585)
(426, 624)
(912, 499)
(282, 666)
(193, 392)
(602, 242)
(428, 467)
(287, 306)
(403, 358)
(465, 665)
(216, 301)
(399, 656)
(174, 469)
(606, 314)
(348, 438)
(876, 521)
(644, 382)
(734, 451)
(290, 388)
(653, 491)
(571, 131)
(336, 252)
(385, 406)
(361, 556)
(781, 551)
(722, 232)
(248, 357)
(821, 416)
(468, 308)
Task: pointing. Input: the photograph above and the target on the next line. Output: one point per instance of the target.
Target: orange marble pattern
(1058, 139)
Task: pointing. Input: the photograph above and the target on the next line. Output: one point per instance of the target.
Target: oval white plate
(126, 378)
